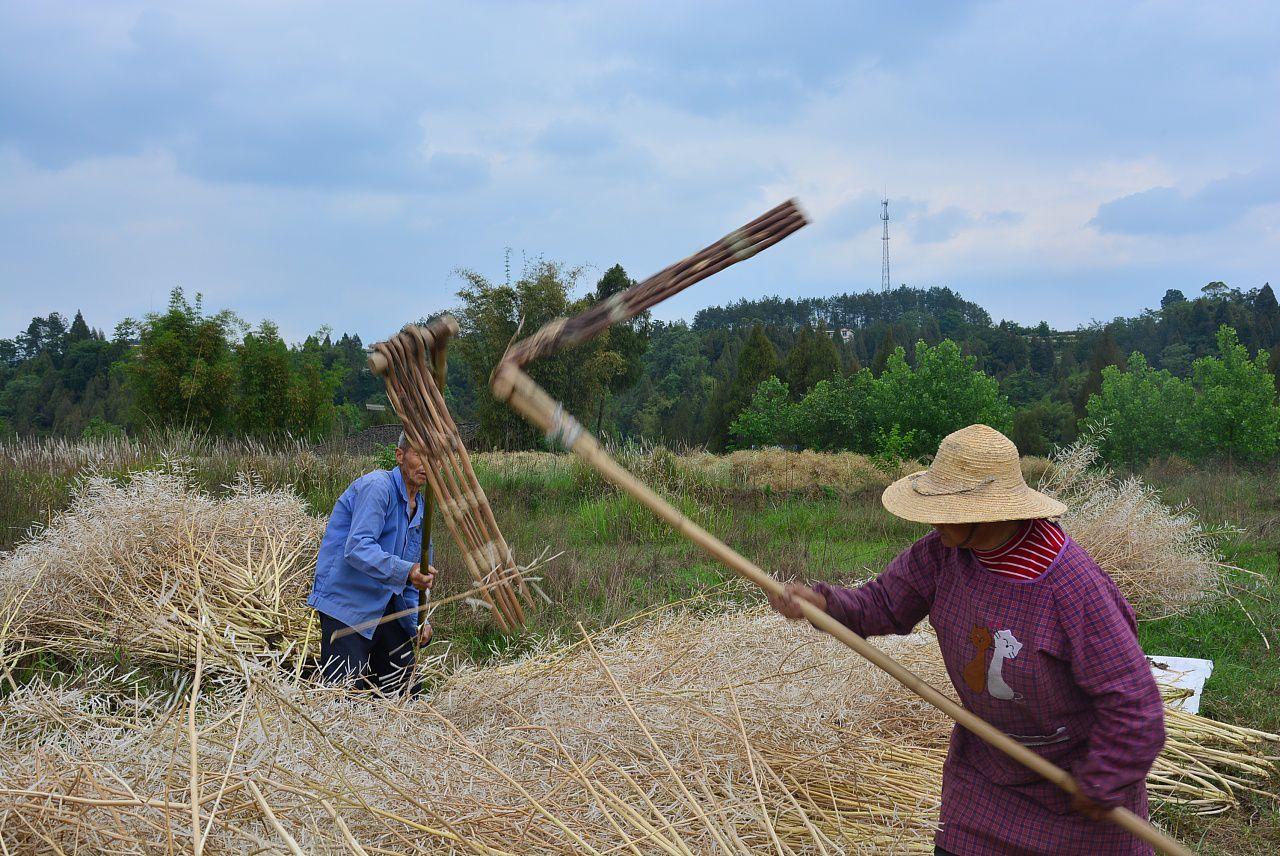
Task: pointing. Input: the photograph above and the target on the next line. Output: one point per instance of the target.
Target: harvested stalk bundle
(678, 734)
(144, 567)
(1161, 557)
(512, 384)
(402, 361)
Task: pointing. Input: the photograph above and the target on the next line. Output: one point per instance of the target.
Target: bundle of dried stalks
(680, 734)
(135, 567)
(414, 392)
(1161, 557)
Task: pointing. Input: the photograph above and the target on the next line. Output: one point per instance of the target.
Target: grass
(618, 560)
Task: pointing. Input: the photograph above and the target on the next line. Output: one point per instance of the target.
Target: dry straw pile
(134, 567)
(682, 734)
(1162, 558)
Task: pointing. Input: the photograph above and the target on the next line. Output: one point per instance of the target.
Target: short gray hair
(403, 442)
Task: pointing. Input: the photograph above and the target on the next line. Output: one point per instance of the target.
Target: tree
(883, 351)
(756, 362)
(489, 319)
(264, 401)
(1171, 297)
(944, 392)
(1146, 411)
(1215, 290)
(834, 415)
(1041, 427)
(1266, 315)
(1235, 412)
(79, 329)
(768, 420)
(1273, 364)
(813, 358)
(627, 340)
(1176, 359)
(181, 372)
(1105, 353)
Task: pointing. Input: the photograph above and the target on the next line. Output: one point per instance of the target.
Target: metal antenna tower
(884, 264)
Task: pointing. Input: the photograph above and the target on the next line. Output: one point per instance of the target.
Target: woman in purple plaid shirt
(1037, 641)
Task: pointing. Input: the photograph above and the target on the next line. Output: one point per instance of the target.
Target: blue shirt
(369, 547)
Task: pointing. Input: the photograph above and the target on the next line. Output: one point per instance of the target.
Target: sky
(334, 165)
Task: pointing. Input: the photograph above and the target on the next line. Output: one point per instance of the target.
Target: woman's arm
(892, 603)
(1108, 665)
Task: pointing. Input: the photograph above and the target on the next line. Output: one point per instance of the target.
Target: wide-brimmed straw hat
(975, 478)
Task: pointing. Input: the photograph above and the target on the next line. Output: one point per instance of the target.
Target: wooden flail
(409, 362)
(512, 384)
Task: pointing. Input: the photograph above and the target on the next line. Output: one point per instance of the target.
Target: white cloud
(335, 168)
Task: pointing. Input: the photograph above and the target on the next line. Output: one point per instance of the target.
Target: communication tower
(884, 242)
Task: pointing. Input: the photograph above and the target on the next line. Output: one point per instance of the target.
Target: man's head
(413, 469)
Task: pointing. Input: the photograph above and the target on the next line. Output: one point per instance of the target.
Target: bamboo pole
(440, 369)
(514, 386)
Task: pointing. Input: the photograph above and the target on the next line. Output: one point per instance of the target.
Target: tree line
(879, 372)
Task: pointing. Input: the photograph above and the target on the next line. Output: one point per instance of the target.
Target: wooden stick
(514, 386)
(441, 369)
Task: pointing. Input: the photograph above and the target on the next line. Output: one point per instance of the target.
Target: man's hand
(788, 603)
(419, 580)
(424, 633)
(1081, 804)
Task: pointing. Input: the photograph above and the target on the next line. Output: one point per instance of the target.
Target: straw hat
(975, 478)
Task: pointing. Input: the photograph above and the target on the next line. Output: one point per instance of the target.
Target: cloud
(757, 58)
(1168, 211)
(939, 226)
(575, 138)
(290, 163)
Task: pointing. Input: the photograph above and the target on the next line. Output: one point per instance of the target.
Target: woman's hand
(1081, 804)
(788, 603)
(424, 633)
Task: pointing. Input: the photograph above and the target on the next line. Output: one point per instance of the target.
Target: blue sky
(334, 164)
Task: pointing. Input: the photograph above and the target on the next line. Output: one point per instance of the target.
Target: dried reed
(412, 388)
(1161, 557)
(135, 568)
(678, 734)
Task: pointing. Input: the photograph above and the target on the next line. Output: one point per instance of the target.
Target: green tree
(944, 392)
(813, 358)
(264, 405)
(883, 351)
(79, 329)
(1235, 413)
(768, 420)
(181, 372)
(1177, 358)
(834, 415)
(1145, 410)
(491, 315)
(757, 362)
(1105, 353)
(625, 342)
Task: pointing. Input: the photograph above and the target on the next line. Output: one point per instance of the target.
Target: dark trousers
(383, 663)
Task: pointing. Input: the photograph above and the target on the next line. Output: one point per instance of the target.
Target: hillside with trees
(879, 372)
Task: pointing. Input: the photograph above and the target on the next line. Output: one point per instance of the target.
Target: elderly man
(368, 568)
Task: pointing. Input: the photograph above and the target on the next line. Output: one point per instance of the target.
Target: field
(799, 516)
